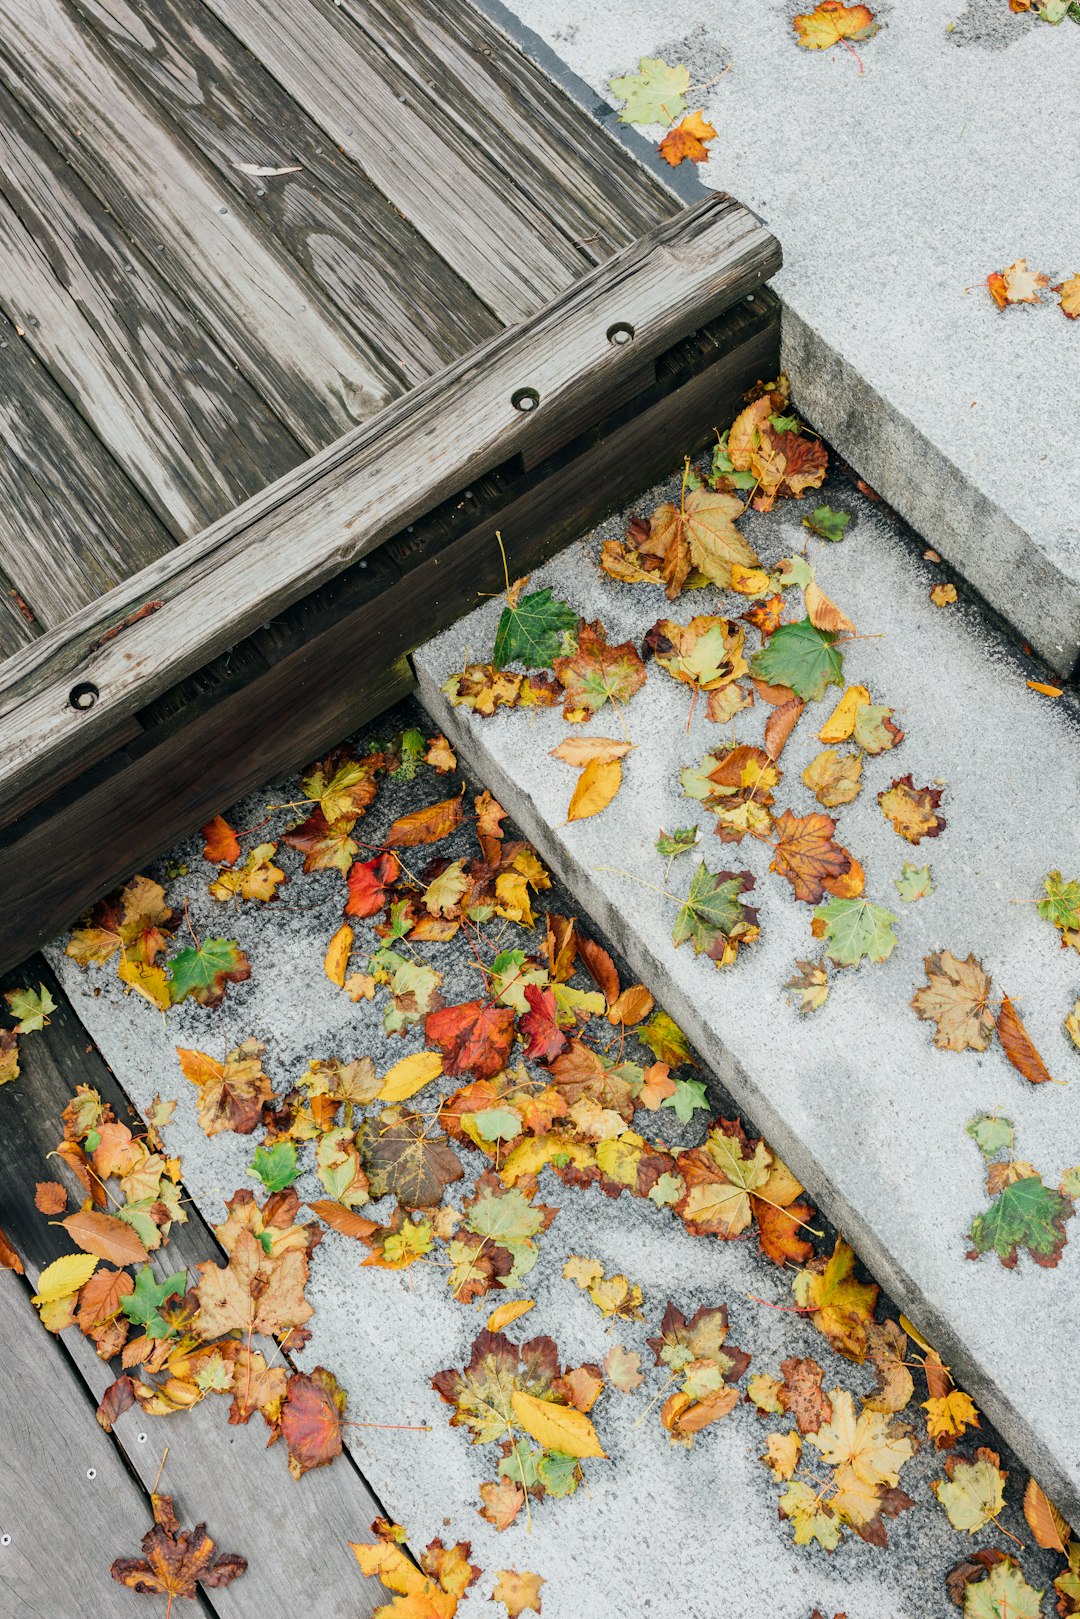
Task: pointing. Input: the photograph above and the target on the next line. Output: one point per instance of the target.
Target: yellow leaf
(579, 750)
(145, 980)
(337, 955)
(512, 1310)
(841, 722)
(556, 1427)
(1044, 1519)
(597, 785)
(410, 1075)
(1045, 690)
(64, 1277)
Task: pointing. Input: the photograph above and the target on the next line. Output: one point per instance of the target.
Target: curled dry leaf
(912, 810)
(175, 1562)
(1018, 1045)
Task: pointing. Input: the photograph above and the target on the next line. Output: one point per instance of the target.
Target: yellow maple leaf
(950, 1415)
(840, 1304)
(831, 22)
(687, 140)
(1069, 293)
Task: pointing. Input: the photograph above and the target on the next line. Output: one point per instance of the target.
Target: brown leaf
(502, 1502)
(428, 825)
(805, 853)
(631, 1006)
(801, 1394)
(311, 1419)
(176, 1564)
(107, 1237)
(9, 1259)
(955, 999)
(912, 810)
(118, 1398)
(221, 845)
(231, 1093)
(339, 1218)
(600, 967)
(50, 1197)
(780, 724)
(1044, 1519)
(1018, 1046)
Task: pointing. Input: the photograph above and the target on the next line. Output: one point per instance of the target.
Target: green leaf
(1004, 1594)
(800, 656)
(534, 632)
(142, 1306)
(992, 1134)
(277, 1167)
(668, 1190)
(784, 424)
(521, 1464)
(689, 1094)
(30, 1008)
(711, 910)
(855, 928)
(1028, 1215)
(913, 883)
(1062, 903)
(655, 95)
(723, 467)
(412, 748)
(666, 1041)
(826, 523)
(558, 1473)
(670, 844)
(203, 972)
(496, 1123)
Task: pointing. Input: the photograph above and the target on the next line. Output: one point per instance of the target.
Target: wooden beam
(285, 694)
(139, 639)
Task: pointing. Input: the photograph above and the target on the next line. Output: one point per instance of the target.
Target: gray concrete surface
(894, 194)
(855, 1096)
(659, 1531)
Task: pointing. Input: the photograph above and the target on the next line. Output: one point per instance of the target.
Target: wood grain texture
(444, 182)
(191, 434)
(343, 503)
(17, 625)
(387, 285)
(593, 192)
(257, 301)
(71, 525)
(68, 1502)
(264, 708)
(294, 1534)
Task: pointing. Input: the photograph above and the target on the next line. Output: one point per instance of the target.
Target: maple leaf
(539, 1027)
(655, 94)
(311, 1419)
(203, 972)
(277, 1166)
(517, 1592)
(258, 878)
(956, 1000)
(474, 1038)
(483, 688)
(176, 1562)
(221, 846)
(913, 883)
(255, 1292)
(867, 1453)
(840, 1306)
(834, 778)
(368, 882)
(948, 1417)
(136, 921)
(972, 1493)
(399, 1244)
(826, 523)
(713, 915)
(687, 139)
(704, 654)
(1023, 1214)
(912, 810)
(811, 1515)
(801, 657)
(403, 1155)
(1069, 293)
(1003, 1594)
(325, 845)
(854, 928)
(623, 1368)
(231, 1093)
(887, 1345)
(810, 984)
(1062, 907)
(30, 1008)
(597, 673)
(144, 1303)
(612, 1295)
(804, 853)
(1016, 285)
(783, 462)
(1018, 1046)
(831, 22)
(502, 1502)
(943, 595)
(341, 786)
(533, 631)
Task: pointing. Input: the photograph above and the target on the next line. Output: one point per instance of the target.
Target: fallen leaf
(517, 1592)
(231, 1093)
(943, 595)
(826, 523)
(504, 1314)
(831, 22)
(410, 1075)
(311, 1419)
(913, 883)
(1016, 285)
(972, 1493)
(221, 845)
(474, 1038)
(623, 1368)
(655, 94)
(598, 673)
(258, 878)
(687, 139)
(532, 631)
(502, 1502)
(810, 984)
(597, 785)
(555, 1427)
(853, 928)
(581, 750)
(174, 1562)
(839, 1304)
(106, 1236)
(50, 1197)
(336, 962)
(1018, 1045)
(801, 1394)
(912, 810)
(1044, 1520)
(428, 825)
(406, 1157)
(1069, 293)
(801, 657)
(30, 1008)
(203, 972)
(956, 1001)
(834, 778)
(805, 854)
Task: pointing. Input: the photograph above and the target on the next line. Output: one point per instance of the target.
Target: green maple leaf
(143, 1305)
(276, 1167)
(655, 95)
(1062, 903)
(689, 1095)
(669, 844)
(992, 1134)
(711, 909)
(827, 524)
(668, 1189)
(1004, 1594)
(913, 883)
(533, 632)
(855, 928)
(1028, 1215)
(203, 972)
(30, 1008)
(800, 656)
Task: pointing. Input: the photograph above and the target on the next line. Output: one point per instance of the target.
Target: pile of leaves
(1024, 1213)
(29, 1010)
(432, 1587)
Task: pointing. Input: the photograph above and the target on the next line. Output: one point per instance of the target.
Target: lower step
(855, 1095)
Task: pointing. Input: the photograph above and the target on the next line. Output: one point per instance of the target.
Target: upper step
(897, 353)
(855, 1096)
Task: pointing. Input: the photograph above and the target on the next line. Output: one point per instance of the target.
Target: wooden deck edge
(335, 660)
(551, 377)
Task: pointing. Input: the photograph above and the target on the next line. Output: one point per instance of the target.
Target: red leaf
(311, 1420)
(221, 844)
(368, 882)
(118, 1398)
(474, 1038)
(539, 1027)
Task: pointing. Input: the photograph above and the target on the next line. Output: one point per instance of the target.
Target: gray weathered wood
(385, 281)
(16, 628)
(593, 192)
(346, 501)
(258, 303)
(294, 1534)
(445, 183)
(192, 435)
(65, 1526)
(71, 525)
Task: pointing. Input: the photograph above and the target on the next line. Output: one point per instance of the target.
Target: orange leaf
(631, 1006)
(221, 846)
(339, 1218)
(336, 961)
(831, 21)
(806, 855)
(311, 1420)
(687, 140)
(50, 1197)
(1044, 1519)
(599, 966)
(9, 1259)
(1018, 1045)
(428, 825)
(780, 724)
(105, 1236)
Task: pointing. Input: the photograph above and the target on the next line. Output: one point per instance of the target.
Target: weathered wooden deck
(257, 432)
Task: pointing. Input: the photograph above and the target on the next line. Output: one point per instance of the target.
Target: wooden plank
(445, 183)
(257, 302)
(592, 192)
(81, 842)
(294, 1535)
(69, 1504)
(193, 436)
(17, 624)
(71, 525)
(330, 216)
(343, 503)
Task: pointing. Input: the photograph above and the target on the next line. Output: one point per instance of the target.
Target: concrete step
(856, 1097)
(661, 1530)
(895, 189)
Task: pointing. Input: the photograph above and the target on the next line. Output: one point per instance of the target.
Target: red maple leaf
(539, 1027)
(475, 1038)
(368, 881)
